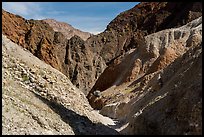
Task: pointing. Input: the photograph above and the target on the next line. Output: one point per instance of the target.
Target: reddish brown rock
(143, 19)
(71, 57)
(14, 26)
(35, 36)
(126, 32)
(167, 98)
(136, 49)
(121, 35)
(67, 30)
(176, 108)
(156, 52)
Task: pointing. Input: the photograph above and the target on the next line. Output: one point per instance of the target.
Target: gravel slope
(38, 99)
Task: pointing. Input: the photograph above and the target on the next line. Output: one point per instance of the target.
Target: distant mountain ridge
(66, 29)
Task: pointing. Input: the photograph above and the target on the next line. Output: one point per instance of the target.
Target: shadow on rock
(81, 125)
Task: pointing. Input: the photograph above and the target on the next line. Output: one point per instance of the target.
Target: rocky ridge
(38, 99)
(128, 31)
(121, 35)
(135, 63)
(78, 64)
(128, 27)
(163, 98)
(67, 30)
(175, 108)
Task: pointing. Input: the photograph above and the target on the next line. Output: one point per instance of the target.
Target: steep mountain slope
(160, 82)
(82, 65)
(78, 64)
(38, 99)
(121, 35)
(150, 17)
(146, 65)
(36, 36)
(152, 53)
(67, 30)
(145, 18)
(175, 108)
(128, 29)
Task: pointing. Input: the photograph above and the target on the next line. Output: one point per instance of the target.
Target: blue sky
(87, 16)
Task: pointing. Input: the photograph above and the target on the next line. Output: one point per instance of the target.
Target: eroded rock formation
(71, 57)
(146, 67)
(39, 100)
(160, 82)
(121, 35)
(126, 33)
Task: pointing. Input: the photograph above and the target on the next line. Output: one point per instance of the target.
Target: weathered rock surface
(121, 35)
(38, 99)
(155, 52)
(145, 18)
(160, 82)
(36, 36)
(146, 66)
(70, 57)
(82, 65)
(67, 30)
(176, 107)
(126, 32)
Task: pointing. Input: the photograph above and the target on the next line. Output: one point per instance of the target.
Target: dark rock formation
(156, 88)
(71, 57)
(127, 31)
(143, 19)
(141, 64)
(121, 35)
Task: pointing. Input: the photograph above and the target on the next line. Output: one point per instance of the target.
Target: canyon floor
(141, 76)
